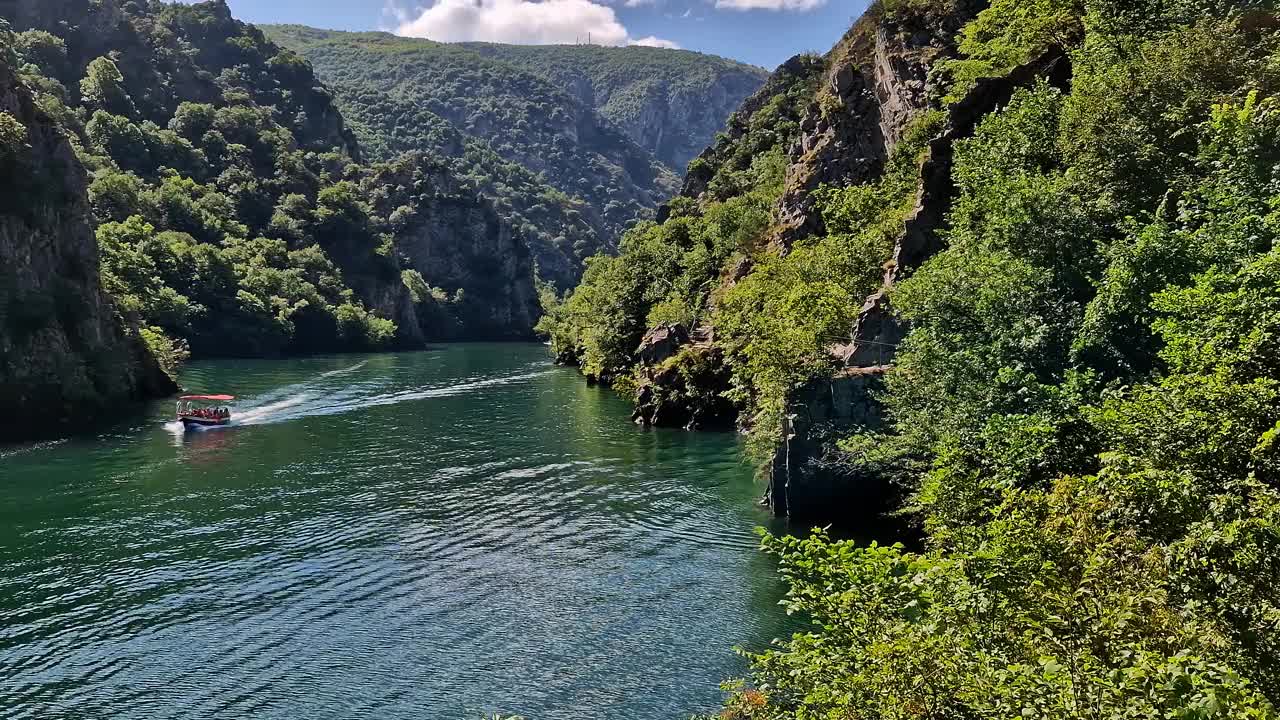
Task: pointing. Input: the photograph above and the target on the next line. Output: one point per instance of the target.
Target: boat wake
(314, 404)
(320, 396)
(270, 410)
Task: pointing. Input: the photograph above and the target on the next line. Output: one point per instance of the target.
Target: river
(443, 534)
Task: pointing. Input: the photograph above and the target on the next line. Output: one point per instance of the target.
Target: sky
(760, 32)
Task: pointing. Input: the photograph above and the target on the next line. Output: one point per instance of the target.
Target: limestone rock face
(877, 87)
(675, 124)
(458, 242)
(67, 357)
(880, 89)
(803, 484)
(661, 343)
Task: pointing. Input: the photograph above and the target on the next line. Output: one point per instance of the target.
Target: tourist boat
(202, 411)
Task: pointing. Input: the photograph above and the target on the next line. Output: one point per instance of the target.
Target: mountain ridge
(572, 177)
(673, 109)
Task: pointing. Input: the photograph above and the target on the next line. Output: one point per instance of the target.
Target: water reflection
(207, 445)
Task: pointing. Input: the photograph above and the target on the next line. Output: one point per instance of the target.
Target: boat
(204, 411)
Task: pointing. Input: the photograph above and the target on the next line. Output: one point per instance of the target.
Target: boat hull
(192, 423)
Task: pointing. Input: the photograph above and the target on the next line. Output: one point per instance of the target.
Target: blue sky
(761, 32)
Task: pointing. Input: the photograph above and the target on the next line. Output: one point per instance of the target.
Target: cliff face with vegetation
(1005, 271)
(198, 193)
(574, 143)
(669, 102)
(234, 212)
(66, 356)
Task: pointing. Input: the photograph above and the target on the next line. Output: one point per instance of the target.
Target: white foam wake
(316, 398)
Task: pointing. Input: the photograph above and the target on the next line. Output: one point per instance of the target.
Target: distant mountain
(573, 156)
(670, 102)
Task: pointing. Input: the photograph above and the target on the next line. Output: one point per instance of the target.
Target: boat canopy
(210, 398)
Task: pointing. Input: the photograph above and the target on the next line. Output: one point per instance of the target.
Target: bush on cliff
(13, 136)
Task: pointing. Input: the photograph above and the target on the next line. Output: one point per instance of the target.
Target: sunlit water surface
(431, 535)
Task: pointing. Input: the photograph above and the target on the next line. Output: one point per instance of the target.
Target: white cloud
(521, 22)
(657, 42)
(798, 5)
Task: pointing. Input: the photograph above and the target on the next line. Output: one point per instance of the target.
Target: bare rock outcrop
(662, 343)
(877, 86)
(681, 380)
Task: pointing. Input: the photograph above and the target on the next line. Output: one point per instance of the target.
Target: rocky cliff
(859, 103)
(886, 92)
(461, 243)
(67, 357)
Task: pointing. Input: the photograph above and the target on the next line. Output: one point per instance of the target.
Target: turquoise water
(431, 535)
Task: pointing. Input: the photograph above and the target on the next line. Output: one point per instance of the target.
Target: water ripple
(434, 535)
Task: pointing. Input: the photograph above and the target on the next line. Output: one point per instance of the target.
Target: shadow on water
(428, 535)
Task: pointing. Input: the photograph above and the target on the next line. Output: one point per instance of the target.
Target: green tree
(103, 89)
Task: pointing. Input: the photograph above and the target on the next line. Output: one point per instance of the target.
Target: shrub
(13, 137)
(168, 352)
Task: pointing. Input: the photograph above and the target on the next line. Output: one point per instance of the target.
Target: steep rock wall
(876, 88)
(804, 482)
(673, 123)
(66, 356)
(458, 242)
(800, 484)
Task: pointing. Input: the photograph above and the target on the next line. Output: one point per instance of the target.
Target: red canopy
(211, 398)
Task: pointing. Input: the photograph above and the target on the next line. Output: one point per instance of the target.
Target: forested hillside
(670, 102)
(234, 214)
(1007, 271)
(64, 354)
(574, 159)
